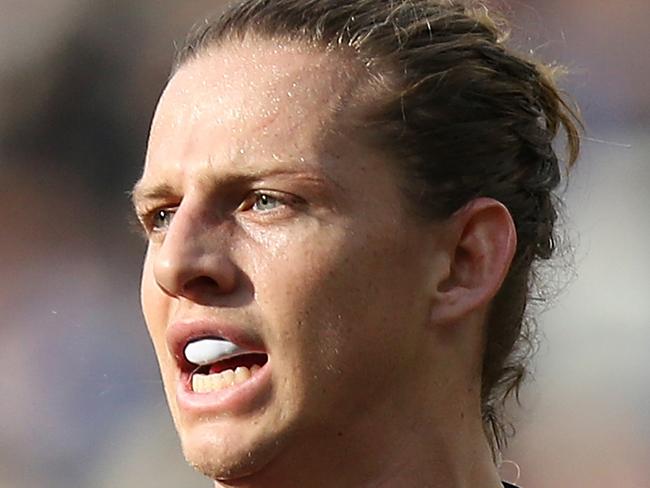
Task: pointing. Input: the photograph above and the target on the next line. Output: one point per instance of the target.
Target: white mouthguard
(208, 351)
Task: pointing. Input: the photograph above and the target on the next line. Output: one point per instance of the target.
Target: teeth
(242, 374)
(228, 376)
(207, 383)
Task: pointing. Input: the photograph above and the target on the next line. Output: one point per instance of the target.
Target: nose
(193, 260)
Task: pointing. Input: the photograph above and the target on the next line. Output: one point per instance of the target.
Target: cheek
(334, 295)
(153, 303)
(339, 324)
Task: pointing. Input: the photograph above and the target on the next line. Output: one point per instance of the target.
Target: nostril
(201, 285)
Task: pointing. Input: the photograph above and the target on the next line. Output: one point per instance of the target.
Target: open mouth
(220, 364)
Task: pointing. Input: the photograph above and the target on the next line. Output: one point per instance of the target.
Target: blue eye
(161, 219)
(264, 202)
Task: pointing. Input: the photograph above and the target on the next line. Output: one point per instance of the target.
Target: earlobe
(481, 244)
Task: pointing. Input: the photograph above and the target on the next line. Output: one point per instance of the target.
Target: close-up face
(290, 244)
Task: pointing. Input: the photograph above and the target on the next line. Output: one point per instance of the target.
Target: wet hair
(465, 116)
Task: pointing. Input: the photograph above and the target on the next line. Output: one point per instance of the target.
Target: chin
(225, 458)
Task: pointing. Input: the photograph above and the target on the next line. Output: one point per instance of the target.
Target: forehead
(259, 96)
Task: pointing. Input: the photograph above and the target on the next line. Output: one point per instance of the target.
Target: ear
(481, 241)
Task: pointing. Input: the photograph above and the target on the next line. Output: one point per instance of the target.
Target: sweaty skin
(265, 213)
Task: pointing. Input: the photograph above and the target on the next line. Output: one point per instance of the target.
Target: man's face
(272, 230)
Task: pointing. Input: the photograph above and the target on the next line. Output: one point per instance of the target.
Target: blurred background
(81, 403)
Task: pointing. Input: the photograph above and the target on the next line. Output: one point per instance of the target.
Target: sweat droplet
(208, 351)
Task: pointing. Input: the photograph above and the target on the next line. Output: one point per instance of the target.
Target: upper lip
(180, 333)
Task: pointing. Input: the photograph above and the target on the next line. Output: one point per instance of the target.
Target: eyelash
(148, 217)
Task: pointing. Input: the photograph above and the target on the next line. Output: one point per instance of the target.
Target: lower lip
(236, 399)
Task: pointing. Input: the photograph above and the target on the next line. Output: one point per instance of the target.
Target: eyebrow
(145, 191)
